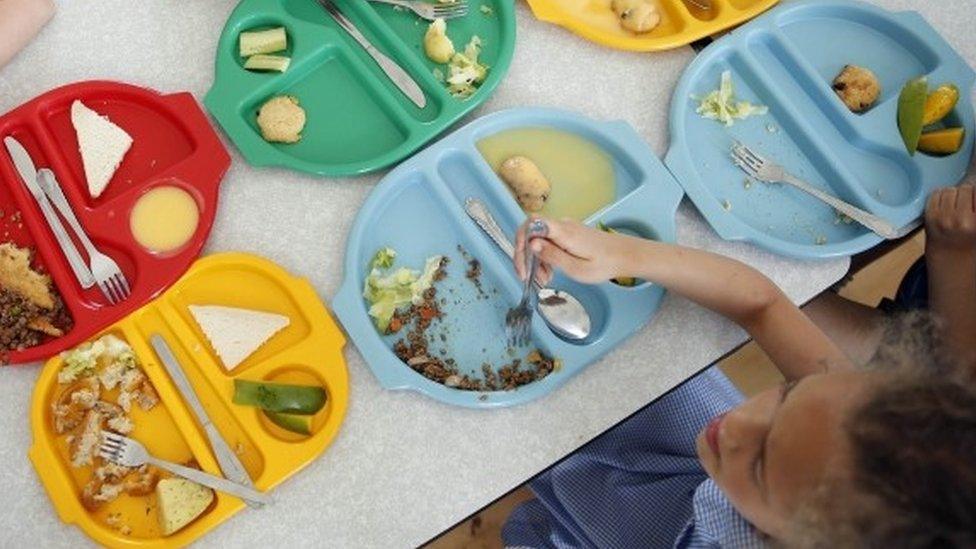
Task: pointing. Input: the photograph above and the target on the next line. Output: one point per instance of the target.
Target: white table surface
(404, 467)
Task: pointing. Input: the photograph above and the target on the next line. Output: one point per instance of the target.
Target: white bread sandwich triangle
(236, 333)
(102, 145)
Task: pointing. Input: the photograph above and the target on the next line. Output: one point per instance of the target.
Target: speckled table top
(404, 467)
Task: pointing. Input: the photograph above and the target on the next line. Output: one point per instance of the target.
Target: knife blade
(229, 463)
(28, 173)
(401, 79)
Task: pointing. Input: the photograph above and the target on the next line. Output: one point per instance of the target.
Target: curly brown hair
(912, 480)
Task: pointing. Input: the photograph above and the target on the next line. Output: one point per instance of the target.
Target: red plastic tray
(173, 144)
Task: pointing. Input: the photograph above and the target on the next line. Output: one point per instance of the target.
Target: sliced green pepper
(279, 397)
(293, 423)
(911, 110)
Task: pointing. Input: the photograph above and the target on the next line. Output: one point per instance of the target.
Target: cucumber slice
(289, 422)
(265, 41)
(261, 62)
(279, 397)
(911, 110)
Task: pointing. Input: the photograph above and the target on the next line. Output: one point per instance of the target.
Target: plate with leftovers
(294, 88)
(138, 170)
(426, 290)
(855, 100)
(647, 25)
(262, 355)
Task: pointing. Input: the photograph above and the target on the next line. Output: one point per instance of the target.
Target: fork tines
(111, 447)
(518, 327)
(744, 158)
(458, 8)
(115, 288)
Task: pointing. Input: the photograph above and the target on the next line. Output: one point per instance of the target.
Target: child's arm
(950, 254)
(20, 20)
(723, 285)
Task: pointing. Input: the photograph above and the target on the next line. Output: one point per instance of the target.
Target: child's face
(773, 450)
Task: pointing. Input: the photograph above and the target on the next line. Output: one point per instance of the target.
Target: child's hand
(950, 219)
(584, 254)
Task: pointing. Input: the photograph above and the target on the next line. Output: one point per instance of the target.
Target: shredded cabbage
(117, 351)
(81, 362)
(465, 72)
(387, 293)
(721, 105)
(384, 258)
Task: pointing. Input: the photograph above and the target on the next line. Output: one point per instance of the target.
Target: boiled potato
(527, 181)
(636, 15)
(437, 45)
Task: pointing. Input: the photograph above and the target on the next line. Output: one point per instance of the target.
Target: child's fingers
(964, 198)
(518, 258)
(544, 275)
(932, 206)
(947, 200)
(556, 257)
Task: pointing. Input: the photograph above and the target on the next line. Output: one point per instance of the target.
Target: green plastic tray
(358, 121)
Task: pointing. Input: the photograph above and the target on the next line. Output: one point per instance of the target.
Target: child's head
(882, 457)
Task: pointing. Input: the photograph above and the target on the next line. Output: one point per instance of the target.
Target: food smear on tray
(921, 117)
(857, 87)
(235, 333)
(102, 145)
(287, 405)
(164, 219)
(551, 172)
(406, 306)
(257, 47)
(281, 119)
(31, 310)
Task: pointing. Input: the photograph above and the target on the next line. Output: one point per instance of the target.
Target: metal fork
(431, 11)
(769, 172)
(130, 453)
(518, 321)
(109, 277)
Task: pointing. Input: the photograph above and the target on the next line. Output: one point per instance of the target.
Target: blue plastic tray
(418, 210)
(787, 60)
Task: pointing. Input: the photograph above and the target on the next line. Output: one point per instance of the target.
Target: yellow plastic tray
(308, 351)
(681, 24)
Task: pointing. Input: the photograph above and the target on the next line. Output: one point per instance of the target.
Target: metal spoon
(564, 314)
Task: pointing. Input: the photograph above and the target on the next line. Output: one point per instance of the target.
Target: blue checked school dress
(640, 484)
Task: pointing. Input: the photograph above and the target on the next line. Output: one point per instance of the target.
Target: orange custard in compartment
(164, 219)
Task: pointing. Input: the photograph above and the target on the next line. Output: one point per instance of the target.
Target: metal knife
(229, 463)
(28, 173)
(400, 78)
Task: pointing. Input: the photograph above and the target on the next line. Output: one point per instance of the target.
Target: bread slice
(235, 333)
(102, 144)
(179, 502)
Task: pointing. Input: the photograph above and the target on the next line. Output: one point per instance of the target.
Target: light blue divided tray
(787, 60)
(418, 209)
